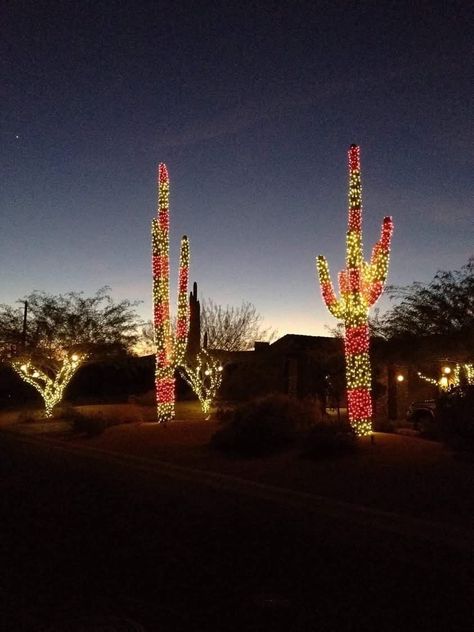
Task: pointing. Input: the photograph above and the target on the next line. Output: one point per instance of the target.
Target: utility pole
(23, 335)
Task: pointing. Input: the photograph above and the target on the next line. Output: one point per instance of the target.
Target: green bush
(329, 439)
(263, 425)
(455, 418)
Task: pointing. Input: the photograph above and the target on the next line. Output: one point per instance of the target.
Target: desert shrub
(455, 417)
(263, 425)
(329, 439)
(86, 425)
(143, 399)
(89, 426)
(224, 414)
(382, 424)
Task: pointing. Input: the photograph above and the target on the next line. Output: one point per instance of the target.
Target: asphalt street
(93, 543)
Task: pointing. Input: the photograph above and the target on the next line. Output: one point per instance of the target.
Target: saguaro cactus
(360, 285)
(170, 347)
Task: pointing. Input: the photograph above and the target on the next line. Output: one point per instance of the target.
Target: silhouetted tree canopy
(60, 323)
(233, 328)
(443, 307)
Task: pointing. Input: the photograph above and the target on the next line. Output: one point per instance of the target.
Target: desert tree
(233, 328)
(443, 307)
(62, 332)
(203, 373)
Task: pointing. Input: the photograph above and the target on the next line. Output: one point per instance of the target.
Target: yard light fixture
(443, 382)
(400, 378)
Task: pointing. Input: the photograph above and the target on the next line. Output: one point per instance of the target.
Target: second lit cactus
(170, 347)
(360, 285)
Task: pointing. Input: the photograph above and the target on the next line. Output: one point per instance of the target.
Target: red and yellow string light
(360, 285)
(170, 347)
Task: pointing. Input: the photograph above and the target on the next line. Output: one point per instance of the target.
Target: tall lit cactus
(170, 347)
(360, 285)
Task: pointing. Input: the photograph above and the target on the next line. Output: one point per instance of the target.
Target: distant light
(74, 357)
(17, 137)
(447, 370)
(443, 382)
(400, 378)
(24, 368)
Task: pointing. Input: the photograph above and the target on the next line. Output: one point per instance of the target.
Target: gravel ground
(403, 474)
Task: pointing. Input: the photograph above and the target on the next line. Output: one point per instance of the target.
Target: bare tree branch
(233, 328)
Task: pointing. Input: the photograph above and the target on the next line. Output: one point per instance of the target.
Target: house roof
(299, 342)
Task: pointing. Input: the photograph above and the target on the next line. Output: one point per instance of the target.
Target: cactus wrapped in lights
(204, 377)
(360, 285)
(170, 347)
(51, 389)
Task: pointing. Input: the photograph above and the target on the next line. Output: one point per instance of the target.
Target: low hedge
(263, 425)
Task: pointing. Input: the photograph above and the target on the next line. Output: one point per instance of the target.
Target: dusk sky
(252, 106)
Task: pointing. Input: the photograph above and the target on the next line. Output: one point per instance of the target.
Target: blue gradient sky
(252, 109)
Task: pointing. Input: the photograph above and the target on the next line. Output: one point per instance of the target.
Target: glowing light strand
(464, 371)
(204, 377)
(170, 347)
(50, 389)
(360, 285)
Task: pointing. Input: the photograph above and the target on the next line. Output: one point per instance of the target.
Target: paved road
(88, 543)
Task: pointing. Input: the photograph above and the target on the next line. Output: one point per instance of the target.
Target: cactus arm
(182, 321)
(354, 256)
(335, 306)
(376, 272)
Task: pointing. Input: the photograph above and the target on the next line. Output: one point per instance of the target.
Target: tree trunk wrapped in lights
(170, 347)
(51, 389)
(204, 376)
(360, 285)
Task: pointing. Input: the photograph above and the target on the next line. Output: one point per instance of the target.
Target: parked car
(422, 414)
